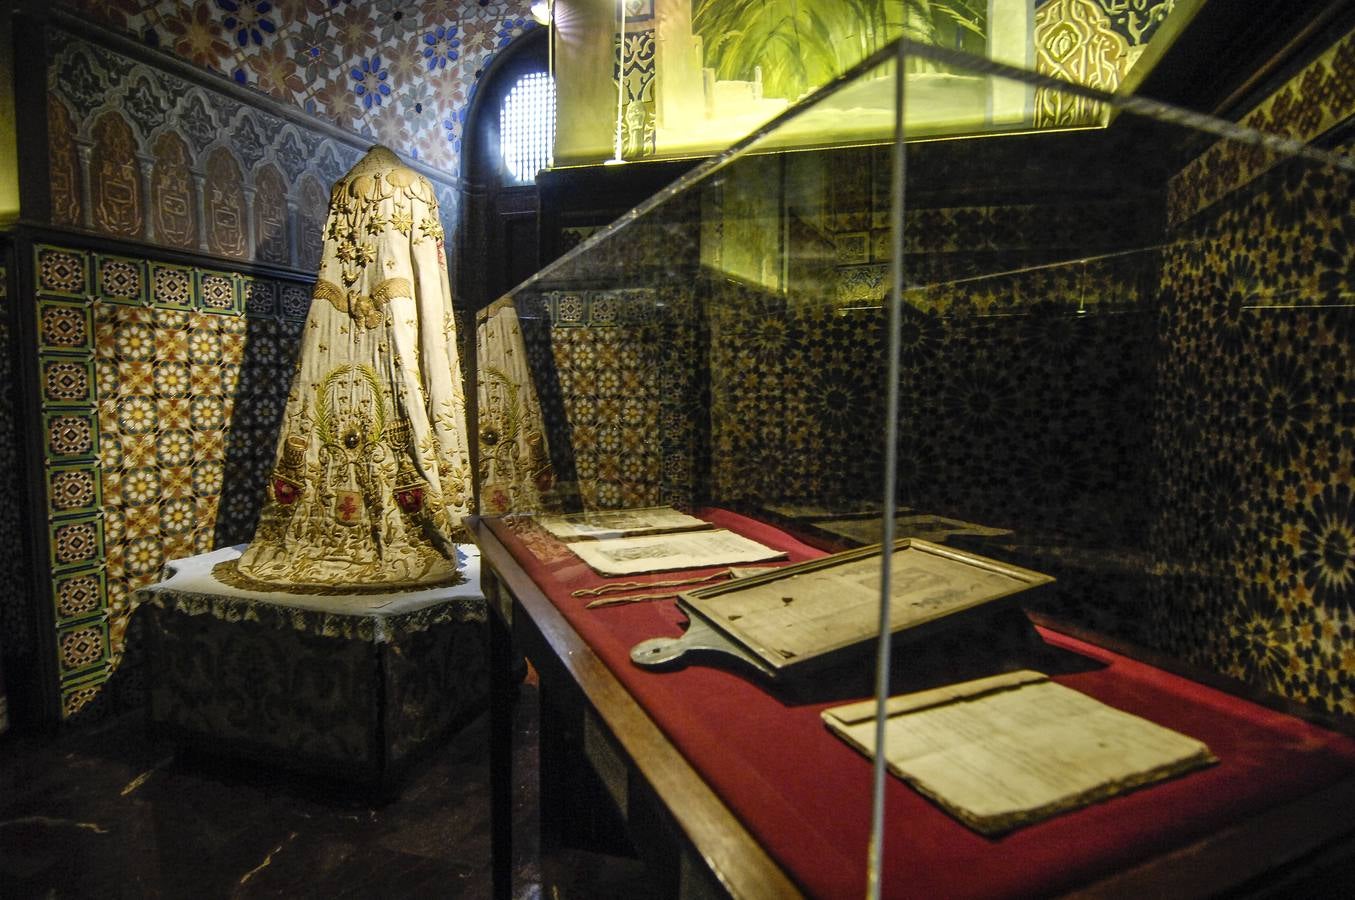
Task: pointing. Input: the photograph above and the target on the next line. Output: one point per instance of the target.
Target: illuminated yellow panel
(697, 75)
(9, 155)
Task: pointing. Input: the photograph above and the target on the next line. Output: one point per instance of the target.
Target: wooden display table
(351, 686)
(726, 785)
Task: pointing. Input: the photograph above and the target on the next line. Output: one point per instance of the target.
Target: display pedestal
(351, 686)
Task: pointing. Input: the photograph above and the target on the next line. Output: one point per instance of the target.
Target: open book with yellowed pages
(1010, 750)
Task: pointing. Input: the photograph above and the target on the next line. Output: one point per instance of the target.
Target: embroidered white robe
(372, 474)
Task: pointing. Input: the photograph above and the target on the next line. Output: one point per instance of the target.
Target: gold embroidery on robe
(516, 474)
(372, 473)
(364, 308)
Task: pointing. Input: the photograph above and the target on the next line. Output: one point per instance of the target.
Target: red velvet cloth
(805, 794)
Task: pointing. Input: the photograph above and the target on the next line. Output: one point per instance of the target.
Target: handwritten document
(926, 527)
(614, 523)
(814, 608)
(1013, 749)
(662, 552)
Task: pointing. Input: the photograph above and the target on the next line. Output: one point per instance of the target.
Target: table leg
(502, 691)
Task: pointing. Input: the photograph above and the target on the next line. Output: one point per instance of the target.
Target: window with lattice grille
(527, 126)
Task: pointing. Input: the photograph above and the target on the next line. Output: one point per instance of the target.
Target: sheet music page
(662, 552)
(1007, 751)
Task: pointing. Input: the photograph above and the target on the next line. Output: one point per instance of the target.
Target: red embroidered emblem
(347, 507)
(410, 499)
(284, 491)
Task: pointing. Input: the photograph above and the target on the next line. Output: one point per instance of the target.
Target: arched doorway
(499, 241)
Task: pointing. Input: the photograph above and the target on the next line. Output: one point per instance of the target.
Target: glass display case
(1118, 358)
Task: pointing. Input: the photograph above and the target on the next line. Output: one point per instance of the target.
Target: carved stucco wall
(142, 154)
(401, 73)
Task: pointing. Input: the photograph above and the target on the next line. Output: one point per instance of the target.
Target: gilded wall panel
(63, 164)
(224, 205)
(1089, 42)
(312, 207)
(270, 215)
(174, 196)
(212, 159)
(115, 178)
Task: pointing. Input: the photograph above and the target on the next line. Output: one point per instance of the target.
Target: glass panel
(1125, 364)
(669, 352)
(1123, 361)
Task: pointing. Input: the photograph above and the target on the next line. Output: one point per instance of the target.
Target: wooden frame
(794, 619)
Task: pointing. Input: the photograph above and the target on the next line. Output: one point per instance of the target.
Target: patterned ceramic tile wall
(982, 401)
(621, 388)
(1256, 436)
(620, 365)
(1256, 432)
(795, 401)
(160, 403)
(800, 370)
(401, 74)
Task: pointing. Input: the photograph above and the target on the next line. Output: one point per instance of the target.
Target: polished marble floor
(108, 813)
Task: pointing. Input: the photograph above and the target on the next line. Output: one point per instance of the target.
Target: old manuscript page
(925, 527)
(808, 613)
(614, 523)
(662, 552)
(1010, 750)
